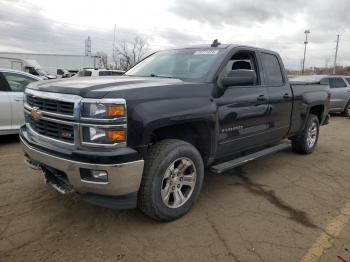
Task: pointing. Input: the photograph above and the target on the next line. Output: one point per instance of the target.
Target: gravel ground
(285, 207)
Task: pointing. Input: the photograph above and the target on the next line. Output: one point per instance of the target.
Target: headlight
(104, 122)
(103, 111)
(104, 135)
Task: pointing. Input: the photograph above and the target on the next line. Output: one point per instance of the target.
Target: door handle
(286, 96)
(19, 99)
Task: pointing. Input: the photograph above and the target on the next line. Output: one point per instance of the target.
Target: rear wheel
(347, 110)
(306, 142)
(171, 181)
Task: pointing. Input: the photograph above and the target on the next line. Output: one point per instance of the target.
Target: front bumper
(123, 178)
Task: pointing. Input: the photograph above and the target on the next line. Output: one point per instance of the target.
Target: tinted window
(84, 73)
(104, 73)
(272, 69)
(17, 82)
(114, 73)
(348, 80)
(336, 82)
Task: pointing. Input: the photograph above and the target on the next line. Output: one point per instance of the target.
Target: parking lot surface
(285, 207)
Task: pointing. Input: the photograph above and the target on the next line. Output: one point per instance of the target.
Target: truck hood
(99, 87)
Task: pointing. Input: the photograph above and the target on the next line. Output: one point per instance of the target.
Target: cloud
(24, 27)
(271, 24)
(234, 12)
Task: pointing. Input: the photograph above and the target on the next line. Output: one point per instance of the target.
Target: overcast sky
(48, 26)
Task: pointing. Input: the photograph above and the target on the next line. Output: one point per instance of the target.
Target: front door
(242, 110)
(5, 106)
(16, 85)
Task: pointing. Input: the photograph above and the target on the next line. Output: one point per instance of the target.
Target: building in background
(53, 62)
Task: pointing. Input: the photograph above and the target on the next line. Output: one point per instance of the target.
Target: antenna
(114, 37)
(215, 43)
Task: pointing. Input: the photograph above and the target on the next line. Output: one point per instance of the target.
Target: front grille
(49, 105)
(51, 129)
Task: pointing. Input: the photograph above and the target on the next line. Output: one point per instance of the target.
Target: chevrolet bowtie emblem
(36, 113)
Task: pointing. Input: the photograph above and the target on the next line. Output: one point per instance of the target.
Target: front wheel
(171, 181)
(305, 143)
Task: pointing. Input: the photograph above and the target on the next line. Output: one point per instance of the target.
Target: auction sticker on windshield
(206, 52)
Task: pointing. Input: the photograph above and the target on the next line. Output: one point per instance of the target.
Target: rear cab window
(272, 70)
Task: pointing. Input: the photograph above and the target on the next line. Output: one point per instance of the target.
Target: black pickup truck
(144, 139)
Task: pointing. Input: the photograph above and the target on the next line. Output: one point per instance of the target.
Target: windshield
(41, 72)
(187, 64)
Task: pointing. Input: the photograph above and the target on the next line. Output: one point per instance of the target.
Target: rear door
(348, 88)
(5, 107)
(339, 93)
(280, 95)
(16, 84)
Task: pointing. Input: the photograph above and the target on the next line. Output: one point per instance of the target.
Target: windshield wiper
(154, 75)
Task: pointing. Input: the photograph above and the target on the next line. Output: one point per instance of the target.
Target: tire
(305, 143)
(347, 110)
(170, 166)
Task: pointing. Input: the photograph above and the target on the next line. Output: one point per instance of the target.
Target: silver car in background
(339, 88)
(12, 85)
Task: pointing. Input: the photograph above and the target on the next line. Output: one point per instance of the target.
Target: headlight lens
(103, 111)
(101, 135)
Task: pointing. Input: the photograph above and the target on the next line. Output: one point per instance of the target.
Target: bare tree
(130, 53)
(326, 61)
(103, 62)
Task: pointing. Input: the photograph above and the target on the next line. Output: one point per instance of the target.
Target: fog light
(99, 176)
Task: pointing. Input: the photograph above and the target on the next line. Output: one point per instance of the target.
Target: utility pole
(306, 42)
(113, 50)
(336, 54)
(88, 46)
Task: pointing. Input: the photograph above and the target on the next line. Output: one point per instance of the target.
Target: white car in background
(12, 85)
(99, 72)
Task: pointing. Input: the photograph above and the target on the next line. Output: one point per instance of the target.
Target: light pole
(336, 54)
(306, 42)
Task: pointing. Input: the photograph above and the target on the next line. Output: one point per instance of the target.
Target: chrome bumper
(123, 178)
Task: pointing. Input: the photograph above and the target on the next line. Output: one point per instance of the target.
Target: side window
(17, 82)
(32, 71)
(84, 73)
(336, 82)
(104, 73)
(324, 81)
(241, 60)
(348, 80)
(272, 69)
(117, 73)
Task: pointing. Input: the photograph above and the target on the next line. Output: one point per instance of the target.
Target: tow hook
(32, 164)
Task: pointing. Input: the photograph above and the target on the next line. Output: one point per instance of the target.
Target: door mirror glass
(239, 77)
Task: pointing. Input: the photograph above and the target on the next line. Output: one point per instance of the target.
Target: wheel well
(318, 111)
(195, 133)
